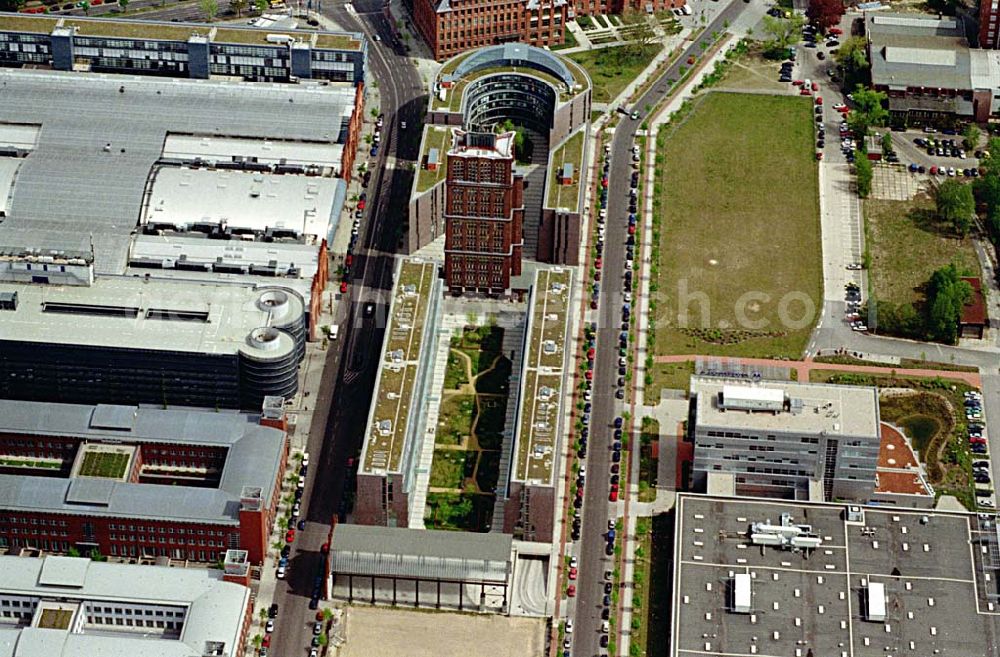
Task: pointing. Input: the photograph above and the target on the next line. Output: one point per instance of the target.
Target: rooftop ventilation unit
(786, 535)
(751, 398)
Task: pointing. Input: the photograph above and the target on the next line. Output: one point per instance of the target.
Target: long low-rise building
(71, 607)
(138, 482)
(180, 50)
(139, 341)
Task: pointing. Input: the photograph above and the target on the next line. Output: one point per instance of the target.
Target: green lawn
(104, 464)
(455, 376)
(455, 416)
(450, 466)
(739, 257)
(569, 41)
(675, 376)
(610, 71)
(907, 244)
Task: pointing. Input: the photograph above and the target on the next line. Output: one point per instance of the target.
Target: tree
(262, 615)
(123, 4)
(257, 641)
(991, 156)
(238, 6)
(946, 294)
(887, 144)
(970, 136)
(639, 31)
(956, 205)
(863, 168)
(987, 192)
(868, 111)
(824, 14)
(783, 32)
(852, 57)
(85, 7)
(261, 5)
(210, 8)
(11, 5)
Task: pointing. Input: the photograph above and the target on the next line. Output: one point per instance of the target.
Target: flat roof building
(418, 567)
(777, 437)
(220, 346)
(879, 581)
(137, 481)
(71, 607)
(69, 43)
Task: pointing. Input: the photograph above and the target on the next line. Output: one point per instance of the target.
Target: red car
(290, 536)
(572, 573)
(819, 155)
(805, 92)
(589, 375)
(266, 643)
(348, 259)
(571, 590)
(835, 30)
(613, 497)
(591, 353)
(691, 59)
(798, 83)
(631, 229)
(819, 100)
(598, 263)
(934, 171)
(361, 204)
(343, 287)
(815, 86)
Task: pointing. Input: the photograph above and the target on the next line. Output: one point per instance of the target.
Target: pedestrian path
(803, 367)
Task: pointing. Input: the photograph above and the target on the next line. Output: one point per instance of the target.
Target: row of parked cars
(981, 470)
(941, 147)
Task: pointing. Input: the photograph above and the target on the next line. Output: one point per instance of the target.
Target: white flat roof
(242, 199)
(8, 169)
(267, 151)
(19, 135)
(813, 408)
(876, 600)
(214, 608)
(736, 393)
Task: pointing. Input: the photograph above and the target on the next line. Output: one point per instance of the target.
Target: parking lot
(386, 632)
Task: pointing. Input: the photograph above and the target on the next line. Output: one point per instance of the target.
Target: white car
(605, 627)
(569, 626)
(281, 572)
(269, 627)
(402, 125)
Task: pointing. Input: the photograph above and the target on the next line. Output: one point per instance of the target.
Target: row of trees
(945, 294)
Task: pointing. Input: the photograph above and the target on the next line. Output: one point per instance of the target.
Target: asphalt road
(348, 385)
(597, 509)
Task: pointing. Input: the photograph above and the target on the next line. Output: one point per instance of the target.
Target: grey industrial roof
(214, 609)
(233, 313)
(369, 550)
(930, 563)
(253, 459)
(8, 170)
(912, 51)
(70, 193)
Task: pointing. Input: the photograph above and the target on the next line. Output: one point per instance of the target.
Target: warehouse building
(74, 43)
(70, 607)
(786, 439)
(421, 568)
(139, 482)
(764, 577)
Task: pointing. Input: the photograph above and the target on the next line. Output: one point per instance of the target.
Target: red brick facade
(989, 24)
(451, 27)
(135, 537)
(484, 214)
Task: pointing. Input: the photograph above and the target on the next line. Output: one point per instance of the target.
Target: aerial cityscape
(536, 328)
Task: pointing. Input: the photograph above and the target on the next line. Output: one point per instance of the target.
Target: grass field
(753, 72)
(739, 256)
(675, 376)
(609, 71)
(104, 464)
(907, 244)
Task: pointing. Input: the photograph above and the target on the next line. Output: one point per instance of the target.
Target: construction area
(754, 577)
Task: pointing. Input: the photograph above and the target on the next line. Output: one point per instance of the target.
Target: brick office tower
(451, 27)
(989, 24)
(484, 214)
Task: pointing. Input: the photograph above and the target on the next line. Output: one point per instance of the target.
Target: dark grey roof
(914, 51)
(112, 416)
(253, 459)
(366, 550)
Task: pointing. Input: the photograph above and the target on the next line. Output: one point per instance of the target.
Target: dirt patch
(394, 633)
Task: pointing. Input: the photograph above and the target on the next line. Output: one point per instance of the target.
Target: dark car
(286, 551)
(302, 525)
(272, 611)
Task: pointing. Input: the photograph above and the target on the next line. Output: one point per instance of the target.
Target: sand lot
(381, 632)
